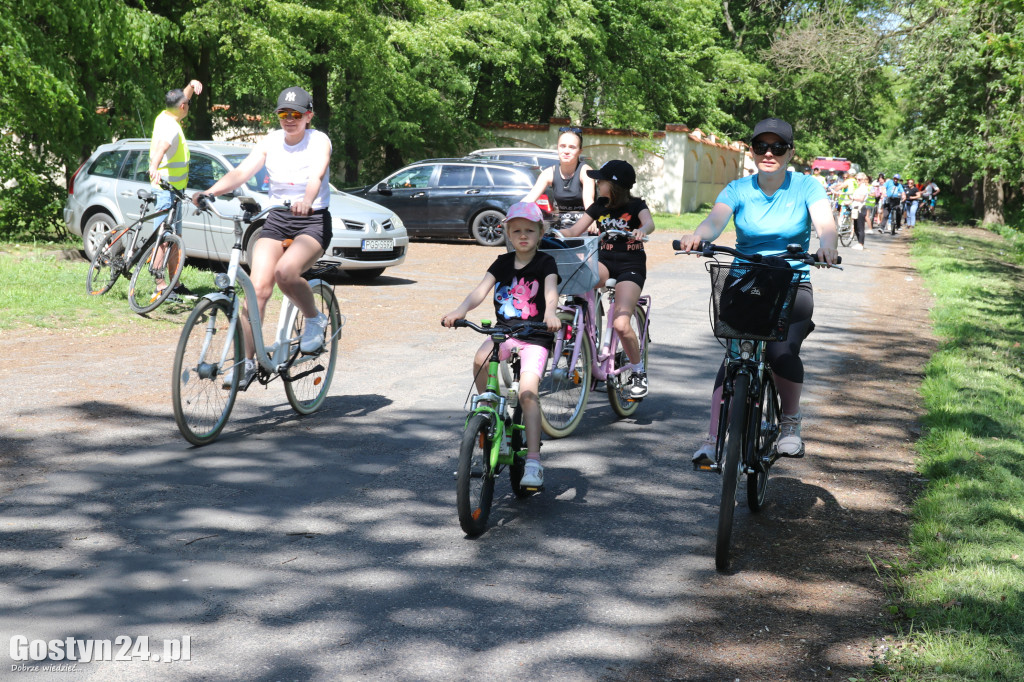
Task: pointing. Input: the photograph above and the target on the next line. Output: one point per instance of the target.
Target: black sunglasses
(571, 129)
(778, 148)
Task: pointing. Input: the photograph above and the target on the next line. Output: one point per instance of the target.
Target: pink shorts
(532, 358)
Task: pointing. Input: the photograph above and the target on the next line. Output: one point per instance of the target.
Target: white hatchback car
(368, 238)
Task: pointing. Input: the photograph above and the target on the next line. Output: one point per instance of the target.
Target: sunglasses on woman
(571, 129)
(778, 148)
(288, 114)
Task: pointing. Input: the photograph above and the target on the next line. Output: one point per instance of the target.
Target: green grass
(961, 601)
(41, 289)
(685, 223)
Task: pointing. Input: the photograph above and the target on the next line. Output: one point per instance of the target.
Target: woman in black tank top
(572, 190)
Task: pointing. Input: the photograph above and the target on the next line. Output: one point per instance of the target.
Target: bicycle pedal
(711, 467)
(797, 455)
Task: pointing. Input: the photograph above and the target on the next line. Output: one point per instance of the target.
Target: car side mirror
(384, 188)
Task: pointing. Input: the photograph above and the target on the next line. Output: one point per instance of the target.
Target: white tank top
(289, 167)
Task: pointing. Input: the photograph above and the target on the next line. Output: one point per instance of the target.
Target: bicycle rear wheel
(156, 276)
(106, 266)
(474, 480)
(618, 389)
(767, 432)
(737, 416)
(201, 404)
(306, 384)
(845, 229)
(565, 389)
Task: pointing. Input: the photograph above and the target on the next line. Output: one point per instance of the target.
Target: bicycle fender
(219, 296)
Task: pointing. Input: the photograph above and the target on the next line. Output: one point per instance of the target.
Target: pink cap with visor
(524, 209)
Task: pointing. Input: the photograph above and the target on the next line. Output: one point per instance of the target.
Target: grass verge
(44, 286)
(961, 601)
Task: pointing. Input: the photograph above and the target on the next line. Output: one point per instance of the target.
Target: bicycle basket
(752, 300)
(577, 265)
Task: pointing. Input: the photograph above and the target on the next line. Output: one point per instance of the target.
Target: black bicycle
(750, 305)
(155, 263)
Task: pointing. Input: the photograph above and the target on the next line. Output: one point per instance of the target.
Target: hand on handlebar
(301, 207)
(827, 255)
(689, 243)
(200, 199)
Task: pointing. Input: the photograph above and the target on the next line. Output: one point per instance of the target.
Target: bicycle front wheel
(565, 387)
(156, 274)
(474, 480)
(737, 416)
(618, 388)
(306, 384)
(105, 267)
(767, 432)
(203, 391)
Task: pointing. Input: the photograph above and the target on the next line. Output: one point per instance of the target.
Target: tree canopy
(929, 88)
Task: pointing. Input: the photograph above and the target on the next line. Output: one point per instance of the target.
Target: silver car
(368, 238)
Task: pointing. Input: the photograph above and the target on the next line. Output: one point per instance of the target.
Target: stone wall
(677, 169)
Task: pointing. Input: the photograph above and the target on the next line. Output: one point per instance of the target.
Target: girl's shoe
(705, 454)
(533, 476)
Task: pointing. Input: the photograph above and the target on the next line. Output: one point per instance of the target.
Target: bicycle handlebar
(526, 329)
(793, 252)
(206, 204)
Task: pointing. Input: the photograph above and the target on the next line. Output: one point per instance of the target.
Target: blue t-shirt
(768, 224)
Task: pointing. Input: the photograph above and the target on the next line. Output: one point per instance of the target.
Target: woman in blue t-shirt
(772, 209)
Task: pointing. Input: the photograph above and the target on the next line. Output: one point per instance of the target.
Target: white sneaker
(857, 246)
(533, 476)
(706, 452)
(789, 443)
(313, 334)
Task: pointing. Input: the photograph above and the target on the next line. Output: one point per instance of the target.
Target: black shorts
(625, 267)
(283, 225)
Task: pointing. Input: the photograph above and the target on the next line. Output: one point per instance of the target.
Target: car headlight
(397, 222)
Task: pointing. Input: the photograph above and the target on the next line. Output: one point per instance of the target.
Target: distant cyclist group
(885, 204)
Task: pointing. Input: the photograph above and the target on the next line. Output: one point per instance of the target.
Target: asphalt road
(328, 547)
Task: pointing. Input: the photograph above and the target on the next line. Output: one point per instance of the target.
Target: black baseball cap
(774, 125)
(617, 171)
(294, 98)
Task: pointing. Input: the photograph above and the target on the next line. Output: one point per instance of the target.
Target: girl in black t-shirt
(524, 287)
(621, 259)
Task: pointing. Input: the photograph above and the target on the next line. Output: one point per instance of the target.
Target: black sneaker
(638, 385)
(183, 291)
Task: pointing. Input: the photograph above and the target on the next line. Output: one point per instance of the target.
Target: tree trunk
(202, 117)
(993, 201)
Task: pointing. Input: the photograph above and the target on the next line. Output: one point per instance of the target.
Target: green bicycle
(495, 436)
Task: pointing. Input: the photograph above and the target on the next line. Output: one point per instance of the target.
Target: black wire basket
(752, 300)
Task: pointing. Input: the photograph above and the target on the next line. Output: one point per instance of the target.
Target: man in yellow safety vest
(168, 157)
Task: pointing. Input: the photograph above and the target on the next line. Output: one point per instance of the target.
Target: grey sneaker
(313, 334)
(789, 443)
(533, 476)
(248, 375)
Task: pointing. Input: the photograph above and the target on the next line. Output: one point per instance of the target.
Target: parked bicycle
(750, 411)
(209, 361)
(155, 263)
(584, 353)
(494, 436)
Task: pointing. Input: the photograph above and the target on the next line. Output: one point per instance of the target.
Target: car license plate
(378, 244)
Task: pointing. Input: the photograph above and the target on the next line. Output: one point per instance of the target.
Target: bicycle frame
(756, 368)
(605, 347)
(497, 410)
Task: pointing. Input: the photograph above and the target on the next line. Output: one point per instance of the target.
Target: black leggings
(858, 225)
(784, 356)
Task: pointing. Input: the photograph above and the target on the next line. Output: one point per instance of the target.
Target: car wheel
(365, 275)
(487, 228)
(95, 232)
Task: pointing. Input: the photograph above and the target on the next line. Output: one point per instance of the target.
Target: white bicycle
(209, 361)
